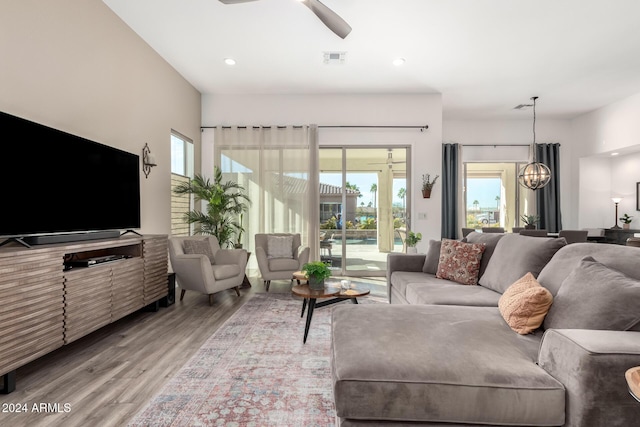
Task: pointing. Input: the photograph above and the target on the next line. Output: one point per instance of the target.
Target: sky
(484, 190)
(363, 181)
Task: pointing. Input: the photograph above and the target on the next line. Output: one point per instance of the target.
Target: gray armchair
(202, 266)
(279, 263)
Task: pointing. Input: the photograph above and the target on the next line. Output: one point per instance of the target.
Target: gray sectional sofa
(442, 353)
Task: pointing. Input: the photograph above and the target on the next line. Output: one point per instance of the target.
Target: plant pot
(530, 227)
(626, 226)
(238, 246)
(315, 284)
(426, 194)
(412, 250)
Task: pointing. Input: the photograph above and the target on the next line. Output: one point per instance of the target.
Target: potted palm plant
(316, 272)
(226, 201)
(427, 185)
(530, 221)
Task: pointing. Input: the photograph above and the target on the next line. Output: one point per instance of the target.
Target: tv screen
(54, 182)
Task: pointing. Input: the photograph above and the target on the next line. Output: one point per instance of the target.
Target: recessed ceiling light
(614, 154)
(229, 61)
(398, 62)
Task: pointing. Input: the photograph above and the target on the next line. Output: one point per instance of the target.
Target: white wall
(614, 128)
(75, 66)
(353, 110)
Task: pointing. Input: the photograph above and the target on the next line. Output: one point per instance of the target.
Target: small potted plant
(412, 240)
(626, 221)
(530, 221)
(427, 185)
(316, 272)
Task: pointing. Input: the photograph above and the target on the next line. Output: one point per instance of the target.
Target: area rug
(254, 371)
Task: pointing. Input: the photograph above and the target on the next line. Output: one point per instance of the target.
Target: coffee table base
(312, 305)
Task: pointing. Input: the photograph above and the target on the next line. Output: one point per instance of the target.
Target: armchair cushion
(279, 246)
(200, 247)
(225, 271)
(283, 264)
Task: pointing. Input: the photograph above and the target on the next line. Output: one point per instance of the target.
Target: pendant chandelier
(534, 175)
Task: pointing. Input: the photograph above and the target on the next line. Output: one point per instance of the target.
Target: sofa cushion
(515, 256)
(490, 240)
(525, 304)
(446, 364)
(433, 257)
(401, 279)
(200, 247)
(622, 258)
(459, 261)
(444, 292)
(594, 296)
(279, 246)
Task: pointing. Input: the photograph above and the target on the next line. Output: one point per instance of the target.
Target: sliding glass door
(364, 201)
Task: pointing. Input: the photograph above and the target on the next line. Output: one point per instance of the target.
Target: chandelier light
(534, 175)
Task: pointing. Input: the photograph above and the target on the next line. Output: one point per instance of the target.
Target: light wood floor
(109, 375)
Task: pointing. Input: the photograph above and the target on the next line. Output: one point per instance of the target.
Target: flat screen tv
(59, 185)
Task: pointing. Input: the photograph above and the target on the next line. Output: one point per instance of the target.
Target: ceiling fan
(389, 162)
(331, 19)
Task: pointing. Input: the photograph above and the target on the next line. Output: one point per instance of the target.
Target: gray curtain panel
(450, 188)
(548, 197)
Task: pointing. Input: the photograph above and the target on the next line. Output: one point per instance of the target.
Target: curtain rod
(422, 128)
(496, 145)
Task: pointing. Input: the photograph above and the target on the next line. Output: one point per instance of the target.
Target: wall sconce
(148, 160)
(616, 200)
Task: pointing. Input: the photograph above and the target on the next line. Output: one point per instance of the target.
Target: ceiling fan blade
(235, 1)
(329, 17)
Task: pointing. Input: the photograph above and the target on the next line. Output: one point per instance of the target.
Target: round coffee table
(331, 290)
(300, 276)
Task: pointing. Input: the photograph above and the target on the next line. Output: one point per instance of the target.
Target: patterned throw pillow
(279, 247)
(525, 304)
(459, 261)
(201, 247)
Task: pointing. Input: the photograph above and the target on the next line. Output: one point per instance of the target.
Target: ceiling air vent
(334, 57)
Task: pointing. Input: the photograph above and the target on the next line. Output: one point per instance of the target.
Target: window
(181, 171)
(493, 197)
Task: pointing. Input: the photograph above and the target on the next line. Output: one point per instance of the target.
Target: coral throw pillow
(459, 261)
(525, 304)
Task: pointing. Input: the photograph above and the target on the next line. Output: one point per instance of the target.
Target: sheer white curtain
(278, 166)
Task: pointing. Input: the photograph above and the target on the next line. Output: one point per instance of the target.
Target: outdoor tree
(476, 204)
(498, 202)
(402, 194)
(374, 190)
(353, 187)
